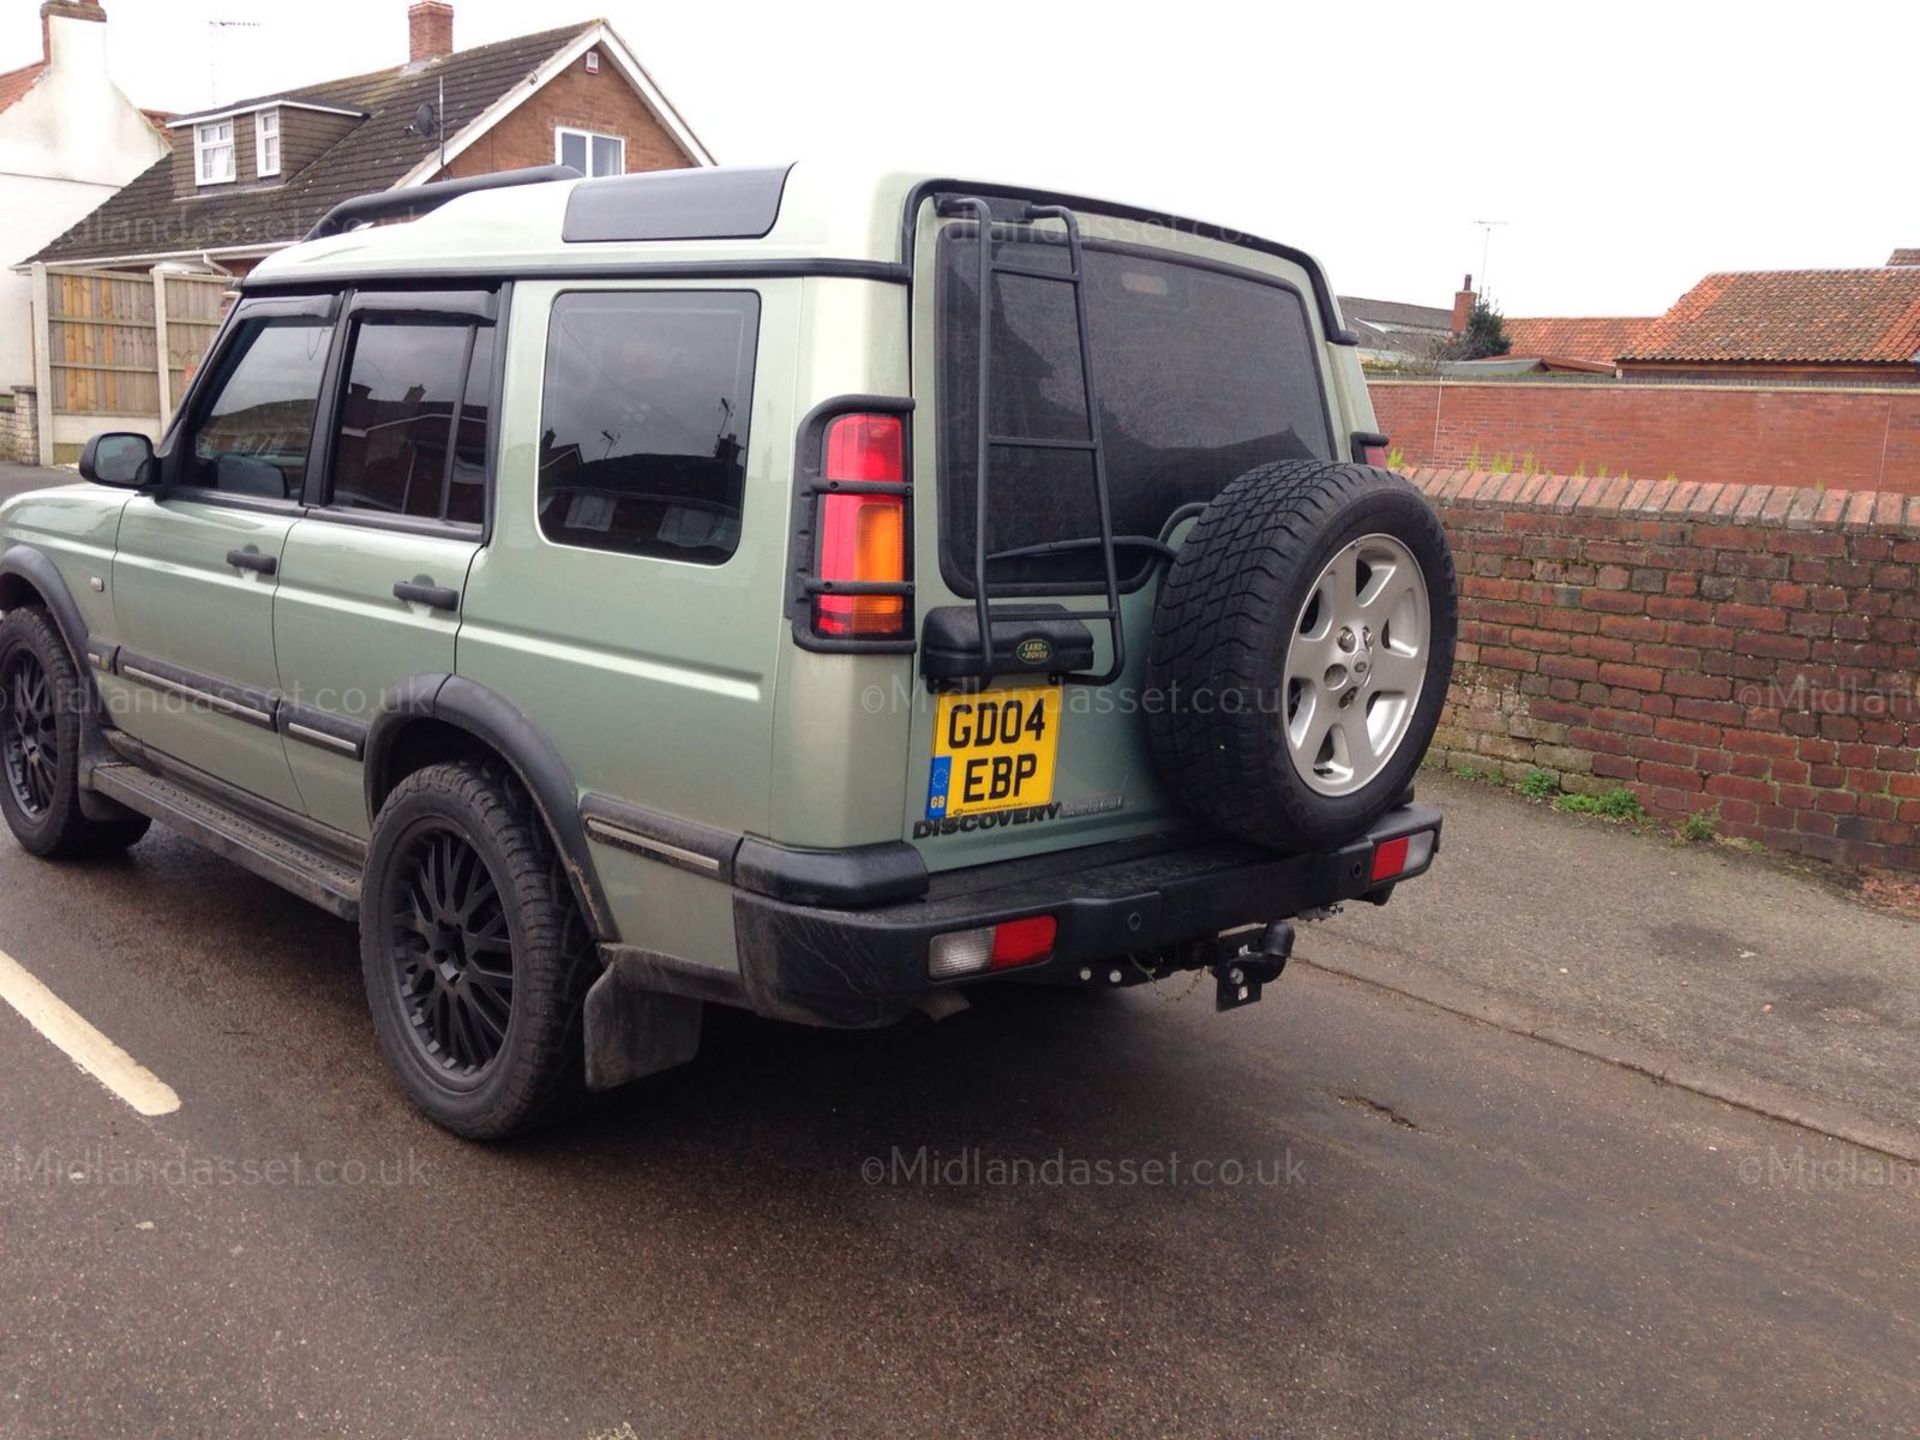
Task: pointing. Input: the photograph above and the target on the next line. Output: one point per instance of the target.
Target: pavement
(17, 479)
(1709, 966)
(1345, 1211)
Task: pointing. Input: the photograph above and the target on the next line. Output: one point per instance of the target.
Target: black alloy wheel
(451, 953)
(29, 739)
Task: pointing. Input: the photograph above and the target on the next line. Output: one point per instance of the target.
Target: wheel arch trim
(504, 728)
(44, 576)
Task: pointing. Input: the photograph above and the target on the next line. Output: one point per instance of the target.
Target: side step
(309, 873)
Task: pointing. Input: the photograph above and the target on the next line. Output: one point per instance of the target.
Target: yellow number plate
(993, 750)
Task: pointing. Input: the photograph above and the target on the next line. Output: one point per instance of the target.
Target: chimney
(429, 31)
(73, 35)
(1463, 305)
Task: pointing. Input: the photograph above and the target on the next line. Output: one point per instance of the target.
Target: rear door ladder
(1074, 276)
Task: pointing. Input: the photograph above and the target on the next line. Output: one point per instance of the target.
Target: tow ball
(1248, 961)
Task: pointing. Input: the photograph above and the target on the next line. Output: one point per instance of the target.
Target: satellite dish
(425, 122)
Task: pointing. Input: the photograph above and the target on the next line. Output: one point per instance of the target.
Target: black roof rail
(419, 199)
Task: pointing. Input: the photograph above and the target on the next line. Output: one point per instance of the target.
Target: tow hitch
(1247, 961)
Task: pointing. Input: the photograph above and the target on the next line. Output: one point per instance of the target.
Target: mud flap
(632, 1032)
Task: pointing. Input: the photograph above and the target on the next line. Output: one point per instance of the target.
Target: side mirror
(121, 459)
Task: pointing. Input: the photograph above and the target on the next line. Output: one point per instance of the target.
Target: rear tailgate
(1205, 362)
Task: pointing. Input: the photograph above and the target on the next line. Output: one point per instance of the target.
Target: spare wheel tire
(1302, 644)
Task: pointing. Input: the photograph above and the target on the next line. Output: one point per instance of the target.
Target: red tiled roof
(15, 83)
(1600, 338)
(1792, 316)
(1904, 257)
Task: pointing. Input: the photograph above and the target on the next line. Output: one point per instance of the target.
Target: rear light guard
(851, 567)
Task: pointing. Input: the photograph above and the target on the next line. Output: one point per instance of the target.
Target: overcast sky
(1630, 148)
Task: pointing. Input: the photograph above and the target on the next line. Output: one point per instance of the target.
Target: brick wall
(1845, 439)
(603, 103)
(20, 426)
(1748, 648)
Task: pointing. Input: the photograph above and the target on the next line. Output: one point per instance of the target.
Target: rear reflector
(1004, 946)
(863, 535)
(1403, 856)
(1021, 942)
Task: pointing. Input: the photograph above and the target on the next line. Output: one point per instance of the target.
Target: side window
(412, 437)
(251, 437)
(643, 443)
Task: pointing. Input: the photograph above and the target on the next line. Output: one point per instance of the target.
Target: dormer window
(213, 152)
(266, 143)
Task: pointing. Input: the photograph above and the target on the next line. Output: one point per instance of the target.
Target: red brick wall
(1748, 648)
(1844, 439)
(603, 103)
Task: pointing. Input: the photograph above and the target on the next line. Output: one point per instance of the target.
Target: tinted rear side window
(1201, 374)
(643, 429)
(407, 382)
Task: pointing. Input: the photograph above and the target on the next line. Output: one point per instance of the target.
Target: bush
(1485, 335)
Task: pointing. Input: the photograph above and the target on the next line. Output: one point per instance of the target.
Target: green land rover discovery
(808, 591)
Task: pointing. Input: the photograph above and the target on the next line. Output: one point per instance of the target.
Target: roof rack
(418, 200)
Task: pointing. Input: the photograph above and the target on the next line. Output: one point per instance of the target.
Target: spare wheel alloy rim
(1356, 663)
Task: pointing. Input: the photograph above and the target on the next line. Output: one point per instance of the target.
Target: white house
(68, 140)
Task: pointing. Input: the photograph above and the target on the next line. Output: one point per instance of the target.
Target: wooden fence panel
(103, 341)
(195, 307)
(102, 344)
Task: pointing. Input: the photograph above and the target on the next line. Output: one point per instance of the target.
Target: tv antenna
(1487, 227)
(215, 29)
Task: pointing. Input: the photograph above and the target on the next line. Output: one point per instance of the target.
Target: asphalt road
(1439, 1228)
(18, 479)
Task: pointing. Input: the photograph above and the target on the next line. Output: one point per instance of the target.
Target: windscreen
(1202, 374)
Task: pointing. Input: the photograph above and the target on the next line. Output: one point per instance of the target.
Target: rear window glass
(409, 386)
(643, 428)
(1201, 374)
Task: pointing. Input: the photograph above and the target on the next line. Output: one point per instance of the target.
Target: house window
(266, 138)
(213, 152)
(592, 155)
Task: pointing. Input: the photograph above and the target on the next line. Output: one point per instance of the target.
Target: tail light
(1005, 946)
(860, 567)
(1370, 449)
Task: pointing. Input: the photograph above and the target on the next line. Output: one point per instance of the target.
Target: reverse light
(863, 533)
(1005, 946)
(1402, 856)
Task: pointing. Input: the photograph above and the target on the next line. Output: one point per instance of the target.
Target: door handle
(253, 560)
(437, 596)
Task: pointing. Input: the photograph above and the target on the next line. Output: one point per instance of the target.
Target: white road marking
(93, 1052)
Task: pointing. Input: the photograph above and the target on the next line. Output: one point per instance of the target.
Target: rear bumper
(865, 967)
